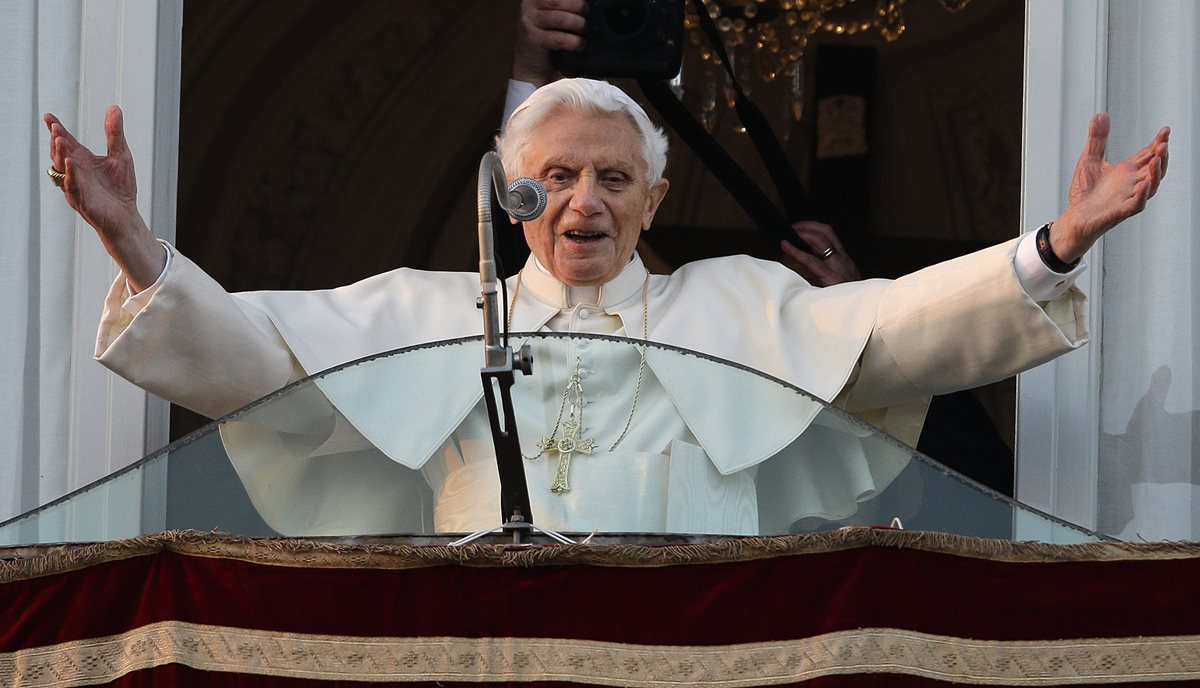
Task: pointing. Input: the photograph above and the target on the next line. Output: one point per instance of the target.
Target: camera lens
(625, 17)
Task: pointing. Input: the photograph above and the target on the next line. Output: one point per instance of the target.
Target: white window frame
(129, 54)
(1058, 404)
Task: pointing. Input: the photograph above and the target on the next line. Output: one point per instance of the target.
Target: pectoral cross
(569, 442)
(566, 446)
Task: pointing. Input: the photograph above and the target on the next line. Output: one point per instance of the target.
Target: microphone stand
(498, 375)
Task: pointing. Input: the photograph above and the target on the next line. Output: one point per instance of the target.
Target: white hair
(585, 96)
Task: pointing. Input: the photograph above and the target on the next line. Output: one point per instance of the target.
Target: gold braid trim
(486, 660)
(32, 562)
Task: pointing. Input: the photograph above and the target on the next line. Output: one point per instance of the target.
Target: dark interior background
(322, 142)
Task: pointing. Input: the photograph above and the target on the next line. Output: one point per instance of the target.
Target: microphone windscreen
(527, 199)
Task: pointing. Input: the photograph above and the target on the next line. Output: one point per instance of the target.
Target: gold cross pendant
(566, 446)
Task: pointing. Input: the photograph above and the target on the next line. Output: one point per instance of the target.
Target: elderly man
(877, 348)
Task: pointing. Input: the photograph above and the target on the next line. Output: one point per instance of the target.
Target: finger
(813, 237)
(1151, 149)
(819, 234)
(828, 249)
(556, 40)
(838, 267)
(57, 153)
(70, 187)
(114, 132)
(52, 121)
(1156, 175)
(1136, 203)
(797, 253)
(57, 128)
(579, 7)
(812, 265)
(1151, 164)
(1097, 140)
(1164, 149)
(560, 21)
(62, 145)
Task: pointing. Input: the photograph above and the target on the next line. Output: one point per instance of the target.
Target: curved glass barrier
(652, 439)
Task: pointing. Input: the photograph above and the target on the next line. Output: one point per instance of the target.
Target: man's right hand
(103, 190)
(546, 25)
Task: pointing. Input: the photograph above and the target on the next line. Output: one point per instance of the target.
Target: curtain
(39, 66)
(1149, 392)
(64, 420)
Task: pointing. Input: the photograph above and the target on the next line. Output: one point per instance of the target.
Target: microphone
(526, 199)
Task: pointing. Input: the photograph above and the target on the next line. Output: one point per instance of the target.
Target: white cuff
(1040, 282)
(518, 92)
(136, 302)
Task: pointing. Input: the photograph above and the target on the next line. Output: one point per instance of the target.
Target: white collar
(546, 287)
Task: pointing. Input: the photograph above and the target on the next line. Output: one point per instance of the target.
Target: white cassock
(878, 348)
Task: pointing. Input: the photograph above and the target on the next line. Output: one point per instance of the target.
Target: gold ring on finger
(56, 176)
(828, 252)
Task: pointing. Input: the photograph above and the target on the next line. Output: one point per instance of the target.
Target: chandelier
(766, 42)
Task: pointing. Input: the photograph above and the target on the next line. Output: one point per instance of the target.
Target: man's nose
(585, 197)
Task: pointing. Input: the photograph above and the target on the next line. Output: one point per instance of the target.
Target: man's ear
(658, 191)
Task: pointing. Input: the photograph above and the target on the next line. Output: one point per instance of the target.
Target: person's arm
(543, 26)
(192, 343)
(973, 320)
(186, 339)
(833, 265)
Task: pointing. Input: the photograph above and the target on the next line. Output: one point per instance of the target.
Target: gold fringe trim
(485, 660)
(47, 560)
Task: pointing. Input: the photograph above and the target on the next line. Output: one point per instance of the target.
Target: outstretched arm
(1102, 194)
(103, 190)
(199, 347)
(965, 322)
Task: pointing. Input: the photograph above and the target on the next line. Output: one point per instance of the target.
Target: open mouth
(583, 236)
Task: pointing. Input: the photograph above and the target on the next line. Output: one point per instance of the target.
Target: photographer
(548, 25)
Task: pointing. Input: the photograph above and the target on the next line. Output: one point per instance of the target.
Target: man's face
(598, 198)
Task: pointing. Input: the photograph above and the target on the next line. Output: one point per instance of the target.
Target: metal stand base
(519, 529)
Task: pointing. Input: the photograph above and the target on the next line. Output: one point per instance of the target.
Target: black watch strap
(1046, 251)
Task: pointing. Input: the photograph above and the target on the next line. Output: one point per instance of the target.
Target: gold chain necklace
(567, 444)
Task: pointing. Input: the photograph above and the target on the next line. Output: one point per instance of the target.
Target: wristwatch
(1046, 251)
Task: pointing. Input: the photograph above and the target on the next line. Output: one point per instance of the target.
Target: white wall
(65, 421)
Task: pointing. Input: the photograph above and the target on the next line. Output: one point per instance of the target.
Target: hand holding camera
(545, 26)
(638, 39)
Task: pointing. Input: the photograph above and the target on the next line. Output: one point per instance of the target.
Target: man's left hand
(1102, 194)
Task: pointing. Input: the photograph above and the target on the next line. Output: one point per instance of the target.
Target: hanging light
(766, 41)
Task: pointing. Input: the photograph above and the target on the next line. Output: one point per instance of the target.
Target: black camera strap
(762, 211)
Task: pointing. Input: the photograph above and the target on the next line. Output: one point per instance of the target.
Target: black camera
(637, 39)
